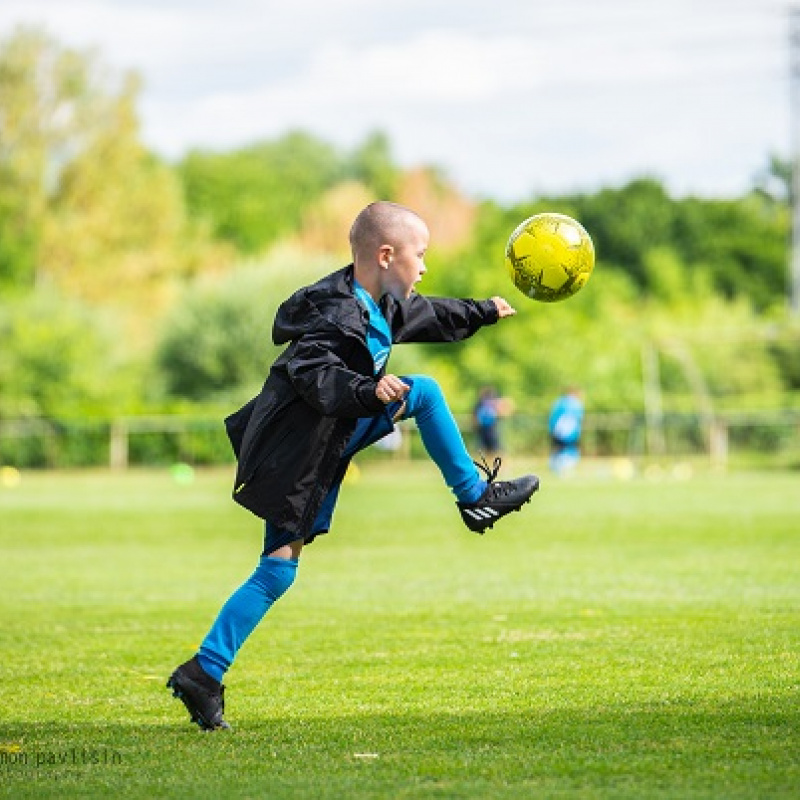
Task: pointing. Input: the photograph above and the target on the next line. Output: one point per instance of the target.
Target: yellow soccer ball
(550, 257)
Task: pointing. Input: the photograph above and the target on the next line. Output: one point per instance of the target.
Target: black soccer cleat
(203, 697)
(499, 499)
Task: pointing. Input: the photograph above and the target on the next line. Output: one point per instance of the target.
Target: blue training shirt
(379, 337)
(566, 418)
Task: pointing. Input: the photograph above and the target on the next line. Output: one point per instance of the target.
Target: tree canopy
(172, 271)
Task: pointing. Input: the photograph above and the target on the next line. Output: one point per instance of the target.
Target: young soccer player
(327, 396)
(564, 425)
(486, 414)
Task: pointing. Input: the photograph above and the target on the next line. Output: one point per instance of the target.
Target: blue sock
(442, 438)
(244, 609)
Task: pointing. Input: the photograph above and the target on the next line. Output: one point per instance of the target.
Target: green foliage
(218, 340)
(19, 235)
(627, 223)
(117, 230)
(58, 359)
(38, 81)
(785, 348)
(709, 347)
(741, 243)
(85, 208)
(53, 102)
(255, 195)
(83, 204)
(774, 182)
(371, 164)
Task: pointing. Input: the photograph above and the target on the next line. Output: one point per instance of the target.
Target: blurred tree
(785, 349)
(87, 211)
(56, 360)
(118, 232)
(594, 339)
(627, 222)
(50, 99)
(217, 343)
(449, 214)
(741, 243)
(253, 196)
(327, 221)
(83, 205)
(372, 164)
(775, 180)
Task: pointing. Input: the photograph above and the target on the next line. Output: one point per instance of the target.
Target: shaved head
(389, 243)
(381, 223)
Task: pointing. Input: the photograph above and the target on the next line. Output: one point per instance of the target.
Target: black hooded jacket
(289, 439)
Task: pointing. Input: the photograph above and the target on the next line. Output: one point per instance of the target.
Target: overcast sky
(510, 97)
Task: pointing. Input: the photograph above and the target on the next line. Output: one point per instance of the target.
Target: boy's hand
(503, 308)
(390, 389)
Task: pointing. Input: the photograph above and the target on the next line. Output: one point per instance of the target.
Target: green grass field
(617, 639)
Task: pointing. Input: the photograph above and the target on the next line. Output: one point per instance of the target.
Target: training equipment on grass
(550, 257)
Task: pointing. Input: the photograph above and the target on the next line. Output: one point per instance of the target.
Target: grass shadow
(659, 751)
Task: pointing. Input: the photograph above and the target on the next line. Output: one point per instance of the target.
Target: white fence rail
(126, 441)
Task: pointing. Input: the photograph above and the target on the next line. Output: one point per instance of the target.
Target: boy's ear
(385, 255)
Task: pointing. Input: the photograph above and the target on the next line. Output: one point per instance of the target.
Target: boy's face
(404, 263)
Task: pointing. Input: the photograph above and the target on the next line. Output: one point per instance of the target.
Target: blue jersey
(566, 419)
(379, 336)
(486, 413)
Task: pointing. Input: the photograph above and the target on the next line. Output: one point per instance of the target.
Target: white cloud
(509, 96)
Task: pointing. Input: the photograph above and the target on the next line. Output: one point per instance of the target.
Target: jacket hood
(320, 307)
